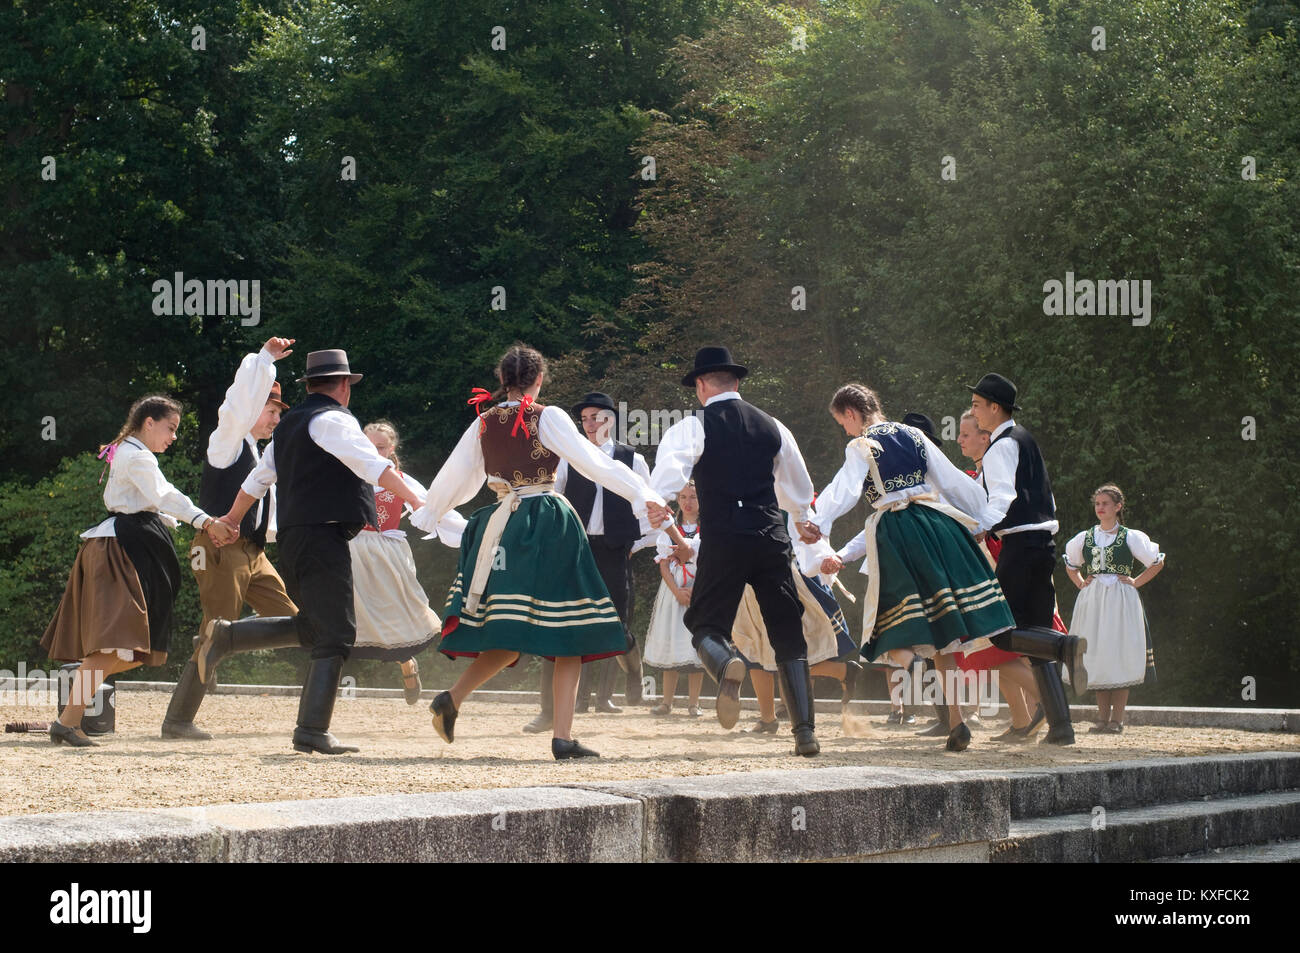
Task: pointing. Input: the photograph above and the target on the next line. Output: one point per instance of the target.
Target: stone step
(1146, 833)
(1282, 852)
(1143, 782)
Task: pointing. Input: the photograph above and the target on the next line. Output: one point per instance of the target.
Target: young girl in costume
(1108, 611)
(527, 581)
(116, 611)
(668, 642)
(930, 589)
(394, 621)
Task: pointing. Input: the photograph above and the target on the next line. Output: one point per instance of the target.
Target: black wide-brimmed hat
(331, 363)
(998, 389)
(594, 399)
(924, 424)
(709, 359)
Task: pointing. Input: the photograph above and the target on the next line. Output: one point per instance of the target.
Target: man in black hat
(238, 573)
(324, 466)
(1021, 512)
(747, 468)
(612, 529)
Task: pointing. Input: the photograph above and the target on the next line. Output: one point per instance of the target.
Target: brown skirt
(103, 606)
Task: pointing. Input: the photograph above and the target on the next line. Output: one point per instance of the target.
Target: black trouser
(1025, 568)
(726, 565)
(615, 569)
(316, 564)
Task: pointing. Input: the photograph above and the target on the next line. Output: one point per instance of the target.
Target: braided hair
(154, 406)
(519, 368)
(859, 398)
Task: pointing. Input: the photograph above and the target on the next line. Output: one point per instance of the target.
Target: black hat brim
(993, 397)
(738, 369)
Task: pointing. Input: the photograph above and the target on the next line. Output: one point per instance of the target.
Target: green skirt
(936, 587)
(544, 595)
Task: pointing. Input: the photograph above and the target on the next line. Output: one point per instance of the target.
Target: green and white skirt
(937, 591)
(544, 595)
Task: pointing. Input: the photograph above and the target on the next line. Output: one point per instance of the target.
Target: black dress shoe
(958, 738)
(563, 750)
(606, 707)
(444, 716)
(765, 727)
(61, 734)
(909, 718)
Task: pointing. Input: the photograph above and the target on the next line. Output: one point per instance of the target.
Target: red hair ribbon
(479, 397)
(524, 405)
(107, 456)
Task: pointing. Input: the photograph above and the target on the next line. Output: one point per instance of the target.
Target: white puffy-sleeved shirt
(245, 399)
(596, 525)
(942, 476)
(464, 473)
(1000, 462)
(683, 444)
(336, 433)
(1139, 544)
(136, 484)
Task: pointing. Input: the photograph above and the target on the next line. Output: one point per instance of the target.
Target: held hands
(980, 537)
(278, 347)
(683, 553)
(683, 598)
(657, 514)
(222, 531)
(831, 565)
(808, 531)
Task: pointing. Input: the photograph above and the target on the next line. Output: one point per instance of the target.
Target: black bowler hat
(594, 399)
(924, 424)
(998, 389)
(331, 363)
(709, 359)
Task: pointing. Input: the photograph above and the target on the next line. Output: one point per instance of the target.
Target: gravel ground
(250, 758)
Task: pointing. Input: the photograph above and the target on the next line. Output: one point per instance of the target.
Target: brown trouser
(233, 575)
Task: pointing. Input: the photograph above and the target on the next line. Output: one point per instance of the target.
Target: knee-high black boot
(725, 666)
(632, 666)
(1051, 693)
(186, 698)
(1040, 643)
(796, 686)
(222, 638)
(316, 708)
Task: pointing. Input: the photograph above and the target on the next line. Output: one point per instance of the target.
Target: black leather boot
(796, 686)
(184, 705)
(1051, 694)
(851, 672)
(316, 708)
(725, 666)
(546, 717)
(1040, 643)
(222, 638)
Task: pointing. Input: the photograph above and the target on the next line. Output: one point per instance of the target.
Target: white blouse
(942, 475)
(683, 444)
(1139, 544)
(136, 484)
(464, 473)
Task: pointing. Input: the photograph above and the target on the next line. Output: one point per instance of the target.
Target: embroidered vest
(388, 509)
(1115, 558)
(901, 460)
(517, 460)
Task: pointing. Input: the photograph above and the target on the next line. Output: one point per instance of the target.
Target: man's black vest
(316, 486)
(734, 473)
(621, 524)
(217, 490)
(1033, 502)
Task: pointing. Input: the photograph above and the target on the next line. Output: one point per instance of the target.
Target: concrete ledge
(1154, 809)
(825, 814)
